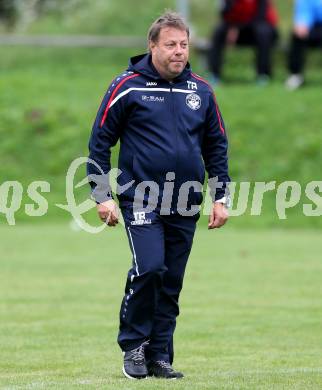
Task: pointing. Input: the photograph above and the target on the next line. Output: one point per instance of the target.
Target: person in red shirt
(245, 22)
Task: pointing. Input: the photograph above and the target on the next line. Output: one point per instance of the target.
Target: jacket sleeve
(105, 134)
(215, 151)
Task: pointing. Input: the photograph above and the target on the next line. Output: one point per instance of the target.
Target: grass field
(102, 17)
(251, 305)
(250, 310)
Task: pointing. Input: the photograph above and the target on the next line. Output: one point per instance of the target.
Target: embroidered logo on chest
(193, 101)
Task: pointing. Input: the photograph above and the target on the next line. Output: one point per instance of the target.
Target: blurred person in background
(245, 22)
(307, 32)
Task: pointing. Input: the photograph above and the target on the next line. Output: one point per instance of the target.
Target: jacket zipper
(176, 133)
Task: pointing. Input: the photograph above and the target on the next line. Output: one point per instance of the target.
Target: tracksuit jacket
(162, 127)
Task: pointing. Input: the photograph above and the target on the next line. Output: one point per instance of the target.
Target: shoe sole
(132, 377)
(161, 377)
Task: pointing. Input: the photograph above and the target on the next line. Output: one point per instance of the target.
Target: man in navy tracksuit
(170, 130)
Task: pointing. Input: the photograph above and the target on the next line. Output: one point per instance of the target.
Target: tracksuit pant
(296, 59)
(160, 247)
(259, 34)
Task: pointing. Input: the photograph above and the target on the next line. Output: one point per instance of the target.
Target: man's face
(171, 52)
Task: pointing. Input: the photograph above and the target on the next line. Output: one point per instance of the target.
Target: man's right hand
(108, 212)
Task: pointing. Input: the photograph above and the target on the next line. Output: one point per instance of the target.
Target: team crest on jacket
(193, 101)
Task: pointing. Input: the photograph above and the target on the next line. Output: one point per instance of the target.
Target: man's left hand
(218, 216)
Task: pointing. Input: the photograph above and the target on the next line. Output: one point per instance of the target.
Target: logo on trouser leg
(139, 219)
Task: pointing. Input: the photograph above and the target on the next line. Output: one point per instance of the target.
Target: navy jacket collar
(143, 64)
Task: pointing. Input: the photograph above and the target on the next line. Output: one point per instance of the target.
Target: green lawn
(102, 17)
(251, 305)
(250, 310)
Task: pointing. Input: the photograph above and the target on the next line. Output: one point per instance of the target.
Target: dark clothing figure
(170, 132)
(245, 22)
(299, 46)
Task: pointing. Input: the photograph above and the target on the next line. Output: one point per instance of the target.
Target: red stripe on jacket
(216, 105)
(113, 95)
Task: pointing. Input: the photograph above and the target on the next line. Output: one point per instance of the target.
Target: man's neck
(163, 76)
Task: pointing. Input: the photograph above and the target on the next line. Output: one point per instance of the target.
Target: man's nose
(179, 50)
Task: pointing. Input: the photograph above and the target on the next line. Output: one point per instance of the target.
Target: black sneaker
(134, 366)
(162, 369)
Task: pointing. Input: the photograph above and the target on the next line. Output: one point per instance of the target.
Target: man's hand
(232, 35)
(108, 212)
(218, 216)
(301, 31)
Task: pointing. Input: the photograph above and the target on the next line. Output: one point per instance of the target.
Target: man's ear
(151, 45)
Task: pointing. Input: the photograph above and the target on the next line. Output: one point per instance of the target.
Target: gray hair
(168, 19)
